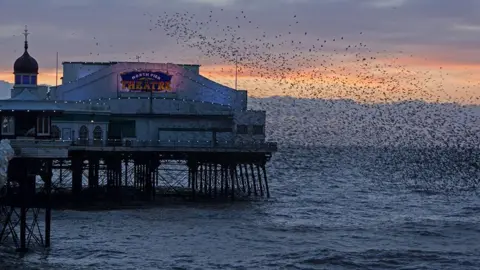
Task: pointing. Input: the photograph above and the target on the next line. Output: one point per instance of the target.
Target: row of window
(82, 133)
(26, 79)
(256, 129)
(42, 128)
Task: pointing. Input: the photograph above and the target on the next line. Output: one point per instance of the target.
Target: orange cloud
(384, 79)
(45, 77)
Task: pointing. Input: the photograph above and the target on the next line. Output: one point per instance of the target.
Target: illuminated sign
(146, 81)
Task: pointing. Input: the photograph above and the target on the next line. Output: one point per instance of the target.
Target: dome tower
(25, 68)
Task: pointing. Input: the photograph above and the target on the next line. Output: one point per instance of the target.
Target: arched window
(97, 135)
(83, 135)
(55, 133)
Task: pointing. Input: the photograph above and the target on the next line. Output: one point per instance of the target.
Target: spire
(25, 64)
(26, 33)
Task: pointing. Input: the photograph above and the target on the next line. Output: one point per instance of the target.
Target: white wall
(74, 71)
(147, 129)
(249, 118)
(241, 100)
(164, 106)
(105, 83)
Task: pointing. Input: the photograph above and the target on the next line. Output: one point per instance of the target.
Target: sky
(397, 49)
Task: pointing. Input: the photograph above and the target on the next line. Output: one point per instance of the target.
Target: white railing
(229, 144)
(39, 143)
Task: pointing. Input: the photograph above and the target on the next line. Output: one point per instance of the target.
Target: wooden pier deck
(62, 148)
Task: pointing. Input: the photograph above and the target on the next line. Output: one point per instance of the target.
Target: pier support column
(200, 179)
(148, 174)
(210, 180)
(260, 184)
(233, 180)
(215, 179)
(48, 203)
(114, 177)
(205, 178)
(192, 176)
(154, 175)
(222, 179)
(26, 197)
(265, 179)
(249, 186)
(93, 164)
(125, 162)
(77, 174)
(240, 173)
(225, 179)
(253, 180)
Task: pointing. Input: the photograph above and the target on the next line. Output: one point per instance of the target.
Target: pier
(48, 174)
(116, 134)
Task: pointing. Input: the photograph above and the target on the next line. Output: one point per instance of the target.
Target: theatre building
(128, 103)
(112, 131)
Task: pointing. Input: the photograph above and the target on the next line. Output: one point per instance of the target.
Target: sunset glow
(430, 80)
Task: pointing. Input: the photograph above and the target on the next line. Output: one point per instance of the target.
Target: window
(55, 133)
(258, 129)
(97, 135)
(25, 79)
(122, 129)
(8, 125)
(33, 80)
(83, 135)
(43, 125)
(18, 79)
(242, 129)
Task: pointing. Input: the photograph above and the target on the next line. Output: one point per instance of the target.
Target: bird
(337, 89)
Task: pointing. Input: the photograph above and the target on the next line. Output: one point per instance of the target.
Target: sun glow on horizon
(47, 77)
(452, 82)
(377, 81)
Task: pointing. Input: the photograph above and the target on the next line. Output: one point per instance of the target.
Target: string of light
(143, 143)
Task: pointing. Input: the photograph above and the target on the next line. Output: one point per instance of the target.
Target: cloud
(443, 31)
(120, 27)
(5, 88)
(387, 3)
(467, 27)
(215, 3)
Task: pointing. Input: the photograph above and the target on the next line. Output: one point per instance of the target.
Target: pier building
(116, 132)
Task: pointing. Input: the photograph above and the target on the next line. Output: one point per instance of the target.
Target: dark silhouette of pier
(95, 174)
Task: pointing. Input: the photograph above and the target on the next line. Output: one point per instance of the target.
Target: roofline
(120, 62)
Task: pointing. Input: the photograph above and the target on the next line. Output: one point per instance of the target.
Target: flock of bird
(385, 110)
(333, 91)
(301, 64)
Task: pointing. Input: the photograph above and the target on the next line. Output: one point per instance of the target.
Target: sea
(330, 208)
